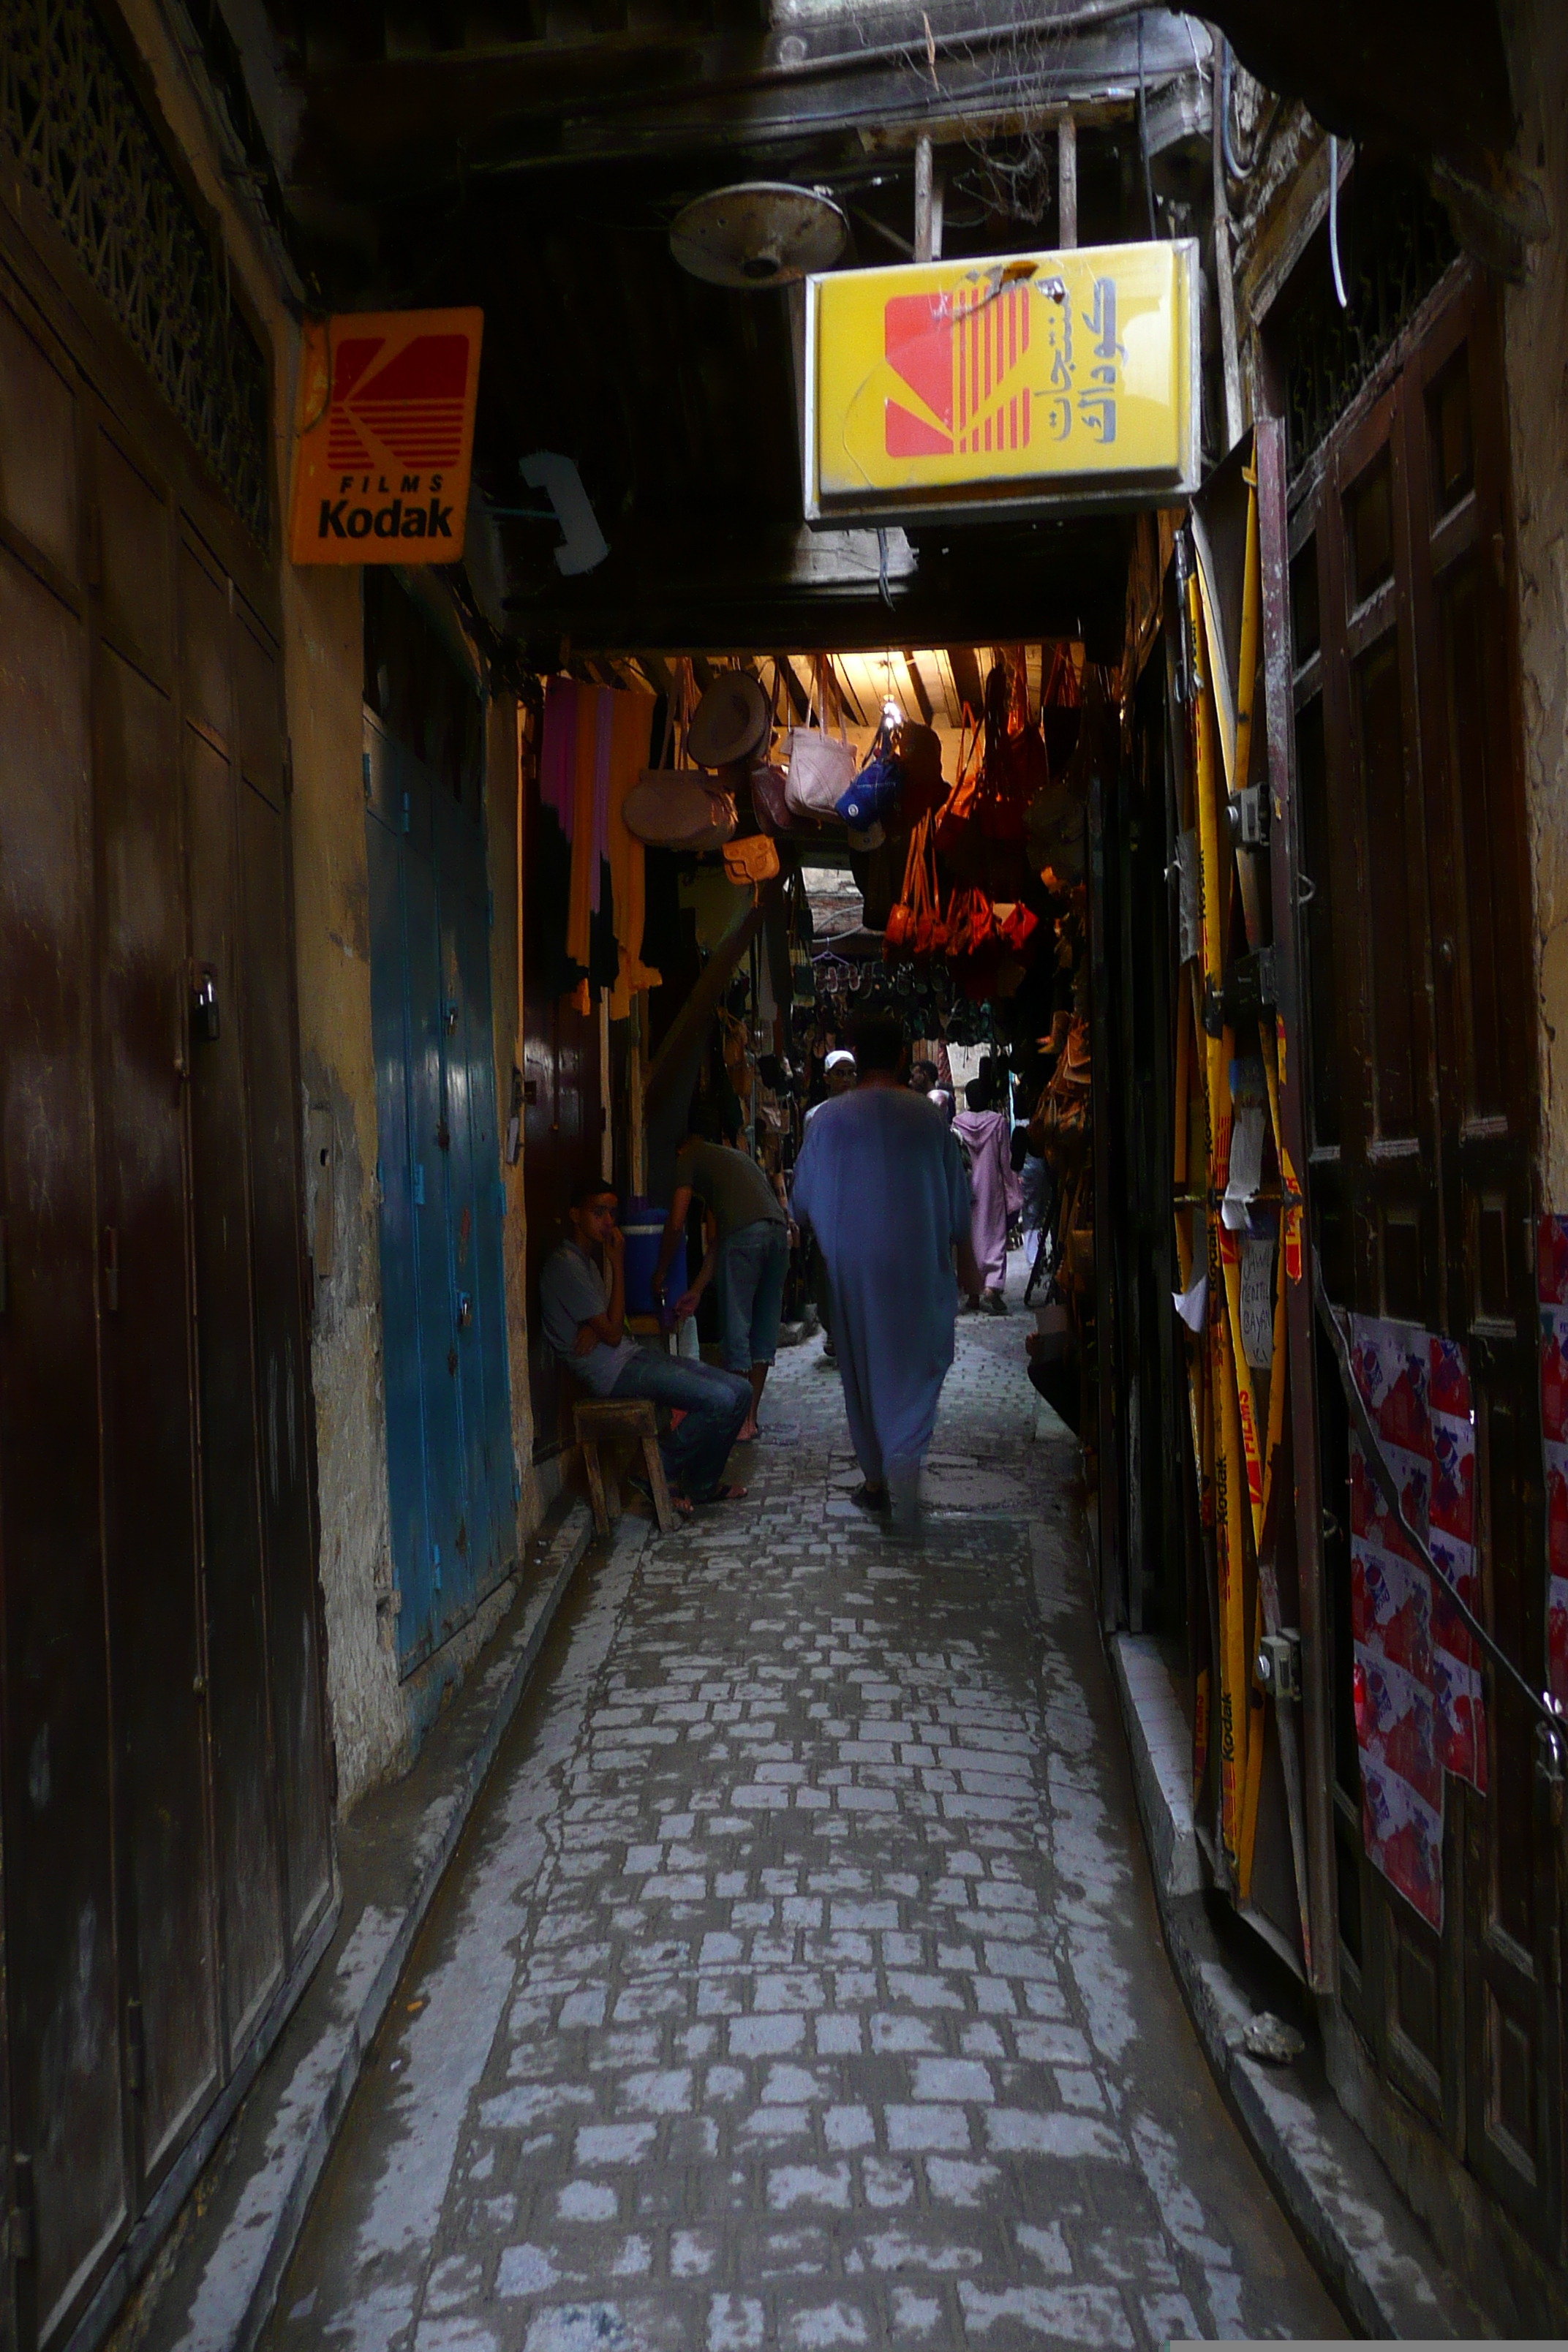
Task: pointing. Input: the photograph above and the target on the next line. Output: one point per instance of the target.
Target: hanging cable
(1144, 131)
(1340, 295)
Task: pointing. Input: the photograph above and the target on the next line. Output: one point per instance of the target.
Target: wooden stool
(611, 1417)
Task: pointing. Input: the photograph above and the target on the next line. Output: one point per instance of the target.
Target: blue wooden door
(448, 1417)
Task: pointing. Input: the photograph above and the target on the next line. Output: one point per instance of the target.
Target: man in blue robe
(882, 1184)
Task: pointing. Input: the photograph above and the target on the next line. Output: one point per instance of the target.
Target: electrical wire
(1340, 295)
(1143, 131)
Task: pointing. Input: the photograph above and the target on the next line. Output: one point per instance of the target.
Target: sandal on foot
(720, 1494)
(867, 1497)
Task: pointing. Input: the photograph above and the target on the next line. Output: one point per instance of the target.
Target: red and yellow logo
(384, 441)
(964, 358)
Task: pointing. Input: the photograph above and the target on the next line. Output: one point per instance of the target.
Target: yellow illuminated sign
(1037, 380)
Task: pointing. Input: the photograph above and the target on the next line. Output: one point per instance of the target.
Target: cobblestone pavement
(800, 1984)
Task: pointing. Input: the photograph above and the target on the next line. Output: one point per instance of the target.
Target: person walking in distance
(996, 1193)
(881, 1183)
(750, 1252)
(583, 1308)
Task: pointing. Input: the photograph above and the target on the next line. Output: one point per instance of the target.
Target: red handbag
(1014, 765)
(957, 818)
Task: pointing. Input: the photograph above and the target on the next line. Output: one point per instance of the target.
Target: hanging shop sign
(1035, 383)
(384, 436)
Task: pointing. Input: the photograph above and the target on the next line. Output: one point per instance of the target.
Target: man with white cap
(839, 1072)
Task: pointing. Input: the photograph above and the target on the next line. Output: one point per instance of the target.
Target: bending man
(749, 1250)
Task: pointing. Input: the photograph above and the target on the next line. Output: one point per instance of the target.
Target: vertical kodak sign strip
(383, 437)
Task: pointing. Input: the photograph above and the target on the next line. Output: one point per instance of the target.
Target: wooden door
(1423, 1111)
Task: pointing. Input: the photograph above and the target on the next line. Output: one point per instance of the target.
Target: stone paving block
(818, 2017)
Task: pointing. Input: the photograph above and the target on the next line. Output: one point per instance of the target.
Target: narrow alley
(799, 1982)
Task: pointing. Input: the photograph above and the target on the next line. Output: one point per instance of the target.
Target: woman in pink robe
(994, 1191)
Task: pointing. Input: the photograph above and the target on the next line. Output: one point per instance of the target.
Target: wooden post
(923, 199)
(1225, 287)
(1066, 184)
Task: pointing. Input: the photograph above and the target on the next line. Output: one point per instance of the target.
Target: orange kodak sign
(384, 436)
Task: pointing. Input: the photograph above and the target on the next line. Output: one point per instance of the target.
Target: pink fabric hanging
(558, 751)
(604, 728)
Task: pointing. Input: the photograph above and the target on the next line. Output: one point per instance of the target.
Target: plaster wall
(1535, 331)
(322, 662)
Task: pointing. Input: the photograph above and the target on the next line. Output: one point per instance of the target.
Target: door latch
(1279, 1663)
(464, 1310)
(203, 1007)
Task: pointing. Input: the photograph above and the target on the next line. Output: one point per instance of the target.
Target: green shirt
(734, 1186)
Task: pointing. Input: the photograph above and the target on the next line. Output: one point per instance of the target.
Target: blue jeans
(715, 1404)
(754, 1265)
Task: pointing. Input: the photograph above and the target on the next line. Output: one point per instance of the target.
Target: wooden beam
(917, 685)
(1066, 184)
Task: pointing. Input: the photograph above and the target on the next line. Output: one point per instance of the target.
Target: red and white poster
(1396, 1715)
(1418, 1699)
(1552, 1289)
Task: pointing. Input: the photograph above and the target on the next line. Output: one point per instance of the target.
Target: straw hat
(732, 721)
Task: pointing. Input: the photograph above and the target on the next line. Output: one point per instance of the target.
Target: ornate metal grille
(1395, 243)
(81, 137)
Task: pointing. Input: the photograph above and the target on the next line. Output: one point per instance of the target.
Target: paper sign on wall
(384, 436)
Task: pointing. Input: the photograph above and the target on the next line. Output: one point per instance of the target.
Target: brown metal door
(1422, 1109)
(238, 1677)
(61, 1971)
(162, 1751)
(145, 1302)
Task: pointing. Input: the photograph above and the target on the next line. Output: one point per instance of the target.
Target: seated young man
(585, 1317)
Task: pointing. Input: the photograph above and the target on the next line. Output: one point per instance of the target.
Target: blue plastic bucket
(643, 1226)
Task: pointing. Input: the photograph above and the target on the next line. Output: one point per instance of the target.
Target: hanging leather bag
(677, 807)
(918, 752)
(821, 766)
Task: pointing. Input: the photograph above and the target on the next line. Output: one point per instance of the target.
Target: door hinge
(19, 2226)
(112, 1269)
(135, 2050)
(364, 771)
(1279, 1663)
(4, 1268)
